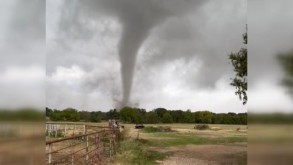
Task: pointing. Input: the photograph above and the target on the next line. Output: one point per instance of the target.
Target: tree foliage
(137, 115)
(167, 118)
(239, 63)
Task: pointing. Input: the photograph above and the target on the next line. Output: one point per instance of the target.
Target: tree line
(137, 115)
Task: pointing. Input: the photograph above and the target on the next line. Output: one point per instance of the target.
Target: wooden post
(111, 146)
(84, 131)
(65, 130)
(98, 145)
(55, 128)
(115, 145)
(87, 150)
(50, 153)
(50, 129)
(97, 142)
(73, 129)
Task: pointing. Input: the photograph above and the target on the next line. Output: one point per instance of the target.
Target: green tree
(243, 118)
(95, 117)
(48, 112)
(112, 114)
(56, 115)
(228, 119)
(218, 118)
(127, 115)
(70, 114)
(167, 118)
(239, 63)
(84, 116)
(160, 111)
(132, 115)
(177, 116)
(152, 117)
(188, 117)
(207, 117)
(203, 117)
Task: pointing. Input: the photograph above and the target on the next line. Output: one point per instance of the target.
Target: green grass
(151, 129)
(176, 139)
(153, 138)
(135, 152)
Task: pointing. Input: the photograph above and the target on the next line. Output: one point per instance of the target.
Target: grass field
(181, 145)
(220, 144)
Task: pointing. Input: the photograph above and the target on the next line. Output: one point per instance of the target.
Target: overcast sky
(270, 33)
(174, 53)
(181, 62)
(22, 53)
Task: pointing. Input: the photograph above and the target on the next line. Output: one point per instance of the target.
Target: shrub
(166, 129)
(151, 129)
(202, 127)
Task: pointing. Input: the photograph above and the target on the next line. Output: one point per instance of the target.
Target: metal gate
(90, 148)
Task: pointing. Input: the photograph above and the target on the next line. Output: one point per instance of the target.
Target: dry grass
(221, 144)
(222, 130)
(218, 145)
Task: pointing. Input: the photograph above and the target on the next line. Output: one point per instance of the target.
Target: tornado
(132, 37)
(137, 19)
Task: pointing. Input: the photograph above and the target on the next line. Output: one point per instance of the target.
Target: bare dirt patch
(227, 154)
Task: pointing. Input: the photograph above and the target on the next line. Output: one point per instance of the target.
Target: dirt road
(231, 154)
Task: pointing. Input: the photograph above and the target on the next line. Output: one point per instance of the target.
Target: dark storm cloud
(144, 38)
(205, 36)
(137, 18)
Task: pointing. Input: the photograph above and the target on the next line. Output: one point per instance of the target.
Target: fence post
(65, 130)
(114, 146)
(87, 148)
(50, 153)
(110, 148)
(45, 132)
(84, 131)
(73, 129)
(96, 149)
(56, 133)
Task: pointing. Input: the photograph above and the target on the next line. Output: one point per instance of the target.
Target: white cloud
(22, 87)
(67, 75)
(268, 96)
